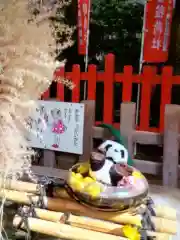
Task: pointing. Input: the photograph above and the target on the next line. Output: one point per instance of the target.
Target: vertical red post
(108, 88)
(59, 74)
(76, 77)
(127, 84)
(148, 76)
(92, 75)
(166, 88)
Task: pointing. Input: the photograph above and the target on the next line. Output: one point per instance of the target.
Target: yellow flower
(137, 175)
(83, 168)
(93, 189)
(76, 182)
(131, 232)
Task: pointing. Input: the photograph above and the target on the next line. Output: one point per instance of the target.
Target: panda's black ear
(108, 146)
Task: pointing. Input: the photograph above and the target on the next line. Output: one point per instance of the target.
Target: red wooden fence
(148, 79)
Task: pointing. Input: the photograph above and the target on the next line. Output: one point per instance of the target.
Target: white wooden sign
(57, 126)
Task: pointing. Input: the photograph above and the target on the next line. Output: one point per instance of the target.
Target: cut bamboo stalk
(160, 211)
(107, 227)
(90, 223)
(65, 205)
(161, 224)
(19, 186)
(64, 231)
(165, 212)
(57, 204)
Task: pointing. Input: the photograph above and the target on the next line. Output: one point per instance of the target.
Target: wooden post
(48, 159)
(127, 124)
(171, 145)
(89, 117)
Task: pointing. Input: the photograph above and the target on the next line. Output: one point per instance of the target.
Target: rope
(45, 186)
(147, 223)
(42, 192)
(24, 214)
(149, 204)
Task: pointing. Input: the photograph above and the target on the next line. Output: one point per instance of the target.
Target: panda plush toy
(103, 161)
(115, 152)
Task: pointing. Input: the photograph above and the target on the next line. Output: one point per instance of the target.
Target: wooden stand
(89, 223)
(161, 211)
(65, 205)
(62, 230)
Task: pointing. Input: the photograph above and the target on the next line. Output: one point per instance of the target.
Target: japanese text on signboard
(83, 22)
(57, 126)
(157, 30)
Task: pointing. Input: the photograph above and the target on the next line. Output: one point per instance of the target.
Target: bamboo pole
(64, 231)
(90, 223)
(160, 211)
(65, 205)
(165, 212)
(19, 186)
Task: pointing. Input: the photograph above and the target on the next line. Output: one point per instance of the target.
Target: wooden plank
(128, 111)
(144, 166)
(101, 133)
(148, 138)
(142, 137)
(89, 116)
(171, 146)
(66, 160)
(50, 172)
(148, 167)
(49, 158)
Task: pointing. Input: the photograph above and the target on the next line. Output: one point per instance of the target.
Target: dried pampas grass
(26, 72)
(27, 63)
(27, 60)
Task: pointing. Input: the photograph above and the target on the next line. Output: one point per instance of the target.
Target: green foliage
(115, 27)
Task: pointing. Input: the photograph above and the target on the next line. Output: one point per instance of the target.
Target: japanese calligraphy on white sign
(83, 24)
(158, 18)
(158, 25)
(57, 126)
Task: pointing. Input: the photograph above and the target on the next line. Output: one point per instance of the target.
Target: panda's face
(114, 151)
